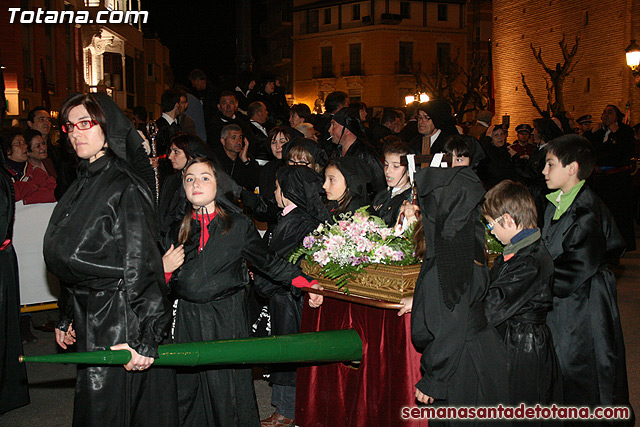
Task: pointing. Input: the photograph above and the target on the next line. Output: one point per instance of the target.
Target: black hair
(389, 116)
(7, 136)
(335, 101)
(88, 101)
(227, 93)
(302, 110)
(32, 114)
(29, 134)
(574, 148)
(456, 145)
(169, 99)
(197, 74)
(619, 114)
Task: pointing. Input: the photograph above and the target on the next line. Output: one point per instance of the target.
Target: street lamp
(423, 97)
(633, 60)
(409, 99)
(633, 56)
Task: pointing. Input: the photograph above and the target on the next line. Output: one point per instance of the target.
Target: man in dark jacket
(233, 155)
(228, 114)
(347, 133)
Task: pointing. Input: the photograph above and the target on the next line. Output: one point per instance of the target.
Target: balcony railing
(352, 69)
(408, 67)
(323, 73)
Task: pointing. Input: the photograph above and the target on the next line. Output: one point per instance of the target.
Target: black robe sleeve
(256, 252)
(511, 288)
(142, 273)
(583, 247)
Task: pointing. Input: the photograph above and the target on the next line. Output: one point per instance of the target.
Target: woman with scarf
(101, 243)
(210, 285)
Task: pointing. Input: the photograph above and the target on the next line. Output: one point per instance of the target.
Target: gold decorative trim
(379, 281)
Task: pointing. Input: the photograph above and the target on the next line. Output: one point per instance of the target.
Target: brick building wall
(601, 75)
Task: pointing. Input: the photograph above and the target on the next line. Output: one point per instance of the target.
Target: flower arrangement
(355, 241)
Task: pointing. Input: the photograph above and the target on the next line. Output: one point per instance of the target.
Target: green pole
(324, 346)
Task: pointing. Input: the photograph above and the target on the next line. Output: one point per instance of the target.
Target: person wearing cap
(348, 134)
(435, 125)
(585, 122)
(521, 146)
(479, 129)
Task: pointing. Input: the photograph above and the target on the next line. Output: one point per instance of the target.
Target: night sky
(199, 34)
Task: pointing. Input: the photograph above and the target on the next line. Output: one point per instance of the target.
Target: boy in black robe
(520, 295)
(581, 236)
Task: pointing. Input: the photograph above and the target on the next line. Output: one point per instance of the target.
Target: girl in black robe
(101, 242)
(210, 286)
(14, 391)
(298, 190)
(463, 359)
(346, 185)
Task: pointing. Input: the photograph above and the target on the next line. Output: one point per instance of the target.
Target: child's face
(503, 228)
(460, 160)
(558, 176)
(200, 186)
(334, 183)
(394, 172)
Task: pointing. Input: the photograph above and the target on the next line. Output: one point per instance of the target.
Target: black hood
(316, 151)
(303, 186)
(441, 115)
(357, 174)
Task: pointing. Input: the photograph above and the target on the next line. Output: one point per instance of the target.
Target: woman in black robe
(101, 243)
(463, 359)
(14, 391)
(211, 286)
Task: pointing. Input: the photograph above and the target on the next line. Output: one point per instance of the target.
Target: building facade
(600, 77)
(372, 49)
(79, 57)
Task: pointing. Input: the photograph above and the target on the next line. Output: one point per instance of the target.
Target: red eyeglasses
(82, 125)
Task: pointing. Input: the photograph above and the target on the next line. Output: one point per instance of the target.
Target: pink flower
(321, 257)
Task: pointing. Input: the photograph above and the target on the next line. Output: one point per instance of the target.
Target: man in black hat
(347, 132)
(521, 146)
(435, 125)
(585, 123)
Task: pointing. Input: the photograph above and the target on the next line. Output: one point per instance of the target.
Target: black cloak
(14, 391)
(585, 321)
(463, 359)
(101, 242)
(303, 187)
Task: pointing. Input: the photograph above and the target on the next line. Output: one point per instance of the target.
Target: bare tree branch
(530, 94)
